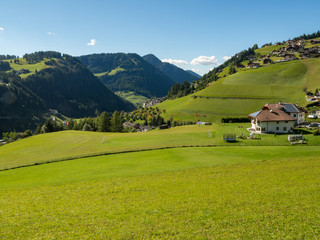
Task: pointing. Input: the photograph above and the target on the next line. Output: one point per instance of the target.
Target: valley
(100, 166)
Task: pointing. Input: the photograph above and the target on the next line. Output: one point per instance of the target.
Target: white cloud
(226, 58)
(196, 70)
(1, 29)
(204, 60)
(51, 33)
(92, 42)
(175, 61)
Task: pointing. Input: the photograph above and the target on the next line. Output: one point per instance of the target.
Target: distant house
(276, 118)
(239, 65)
(251, 58)
(253, 65)
(267, 45)
(304, 56)
(315, 41)
(290, 57)
(267, 61)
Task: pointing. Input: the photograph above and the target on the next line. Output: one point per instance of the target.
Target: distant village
(292, 50)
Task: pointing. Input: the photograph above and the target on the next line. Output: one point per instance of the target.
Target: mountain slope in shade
(177, 74)
(194, 74)
(64, 84)
(128, 72)
(73, 90)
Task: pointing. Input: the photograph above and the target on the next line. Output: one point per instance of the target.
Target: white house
(276, 118)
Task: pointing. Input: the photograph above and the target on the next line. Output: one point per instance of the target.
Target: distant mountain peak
(194, 73)
(152, 59)
(177, 74)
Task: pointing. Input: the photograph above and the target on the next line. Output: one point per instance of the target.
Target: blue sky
(197, 34)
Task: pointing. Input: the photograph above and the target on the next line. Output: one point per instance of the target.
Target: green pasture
(145, 162)
(111, 73)
(247, 91)
(132, 97)
(23, 64)
(198, 193)
(67, 145)
(100, 74)
(267, 50)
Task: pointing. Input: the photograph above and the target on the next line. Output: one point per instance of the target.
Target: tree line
(180, 90)
(308, 36)
(39, 56)
(8, 57)
(105, 122)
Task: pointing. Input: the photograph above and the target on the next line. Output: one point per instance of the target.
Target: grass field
(76, 144)
(111, 73)
(247, 91)
(23, 64)
(267, 50)
(132, 97)
(233, 193)
(249, 189)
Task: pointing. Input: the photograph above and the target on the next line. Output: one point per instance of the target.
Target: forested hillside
(128, 72)
(62, 83)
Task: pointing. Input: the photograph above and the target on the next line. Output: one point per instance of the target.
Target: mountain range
(39, 82)
(128, 72)
(177, 74)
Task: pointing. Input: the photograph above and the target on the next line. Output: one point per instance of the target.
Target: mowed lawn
(247, 91)
(77, 144)
(198, 193)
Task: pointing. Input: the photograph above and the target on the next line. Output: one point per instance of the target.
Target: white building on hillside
(276, 118)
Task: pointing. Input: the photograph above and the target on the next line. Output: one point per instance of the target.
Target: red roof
(273, 115)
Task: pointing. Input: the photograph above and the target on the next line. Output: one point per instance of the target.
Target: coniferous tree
(103, 122)
(116, 122)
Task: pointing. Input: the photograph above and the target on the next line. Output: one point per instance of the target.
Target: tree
(87, 127)
(232, 70)
(103, 122)
(116, 122)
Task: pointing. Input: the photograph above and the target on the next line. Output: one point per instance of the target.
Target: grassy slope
(245, 92)
(268, 199)
(75, 144)
(269, 49)
(146, 162)
(113, 72)
(23, 64)
(132, 97)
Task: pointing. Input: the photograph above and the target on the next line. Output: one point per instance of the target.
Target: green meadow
(180, 183)
(68, 145)
(247, 91)
(133, 97)
(23, 64)
(184, 193)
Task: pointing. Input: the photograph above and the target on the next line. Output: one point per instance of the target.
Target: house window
(284, 128)
(295, 115)
(277, 128)
(263, 129)
(286, 121)
(278, 122)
